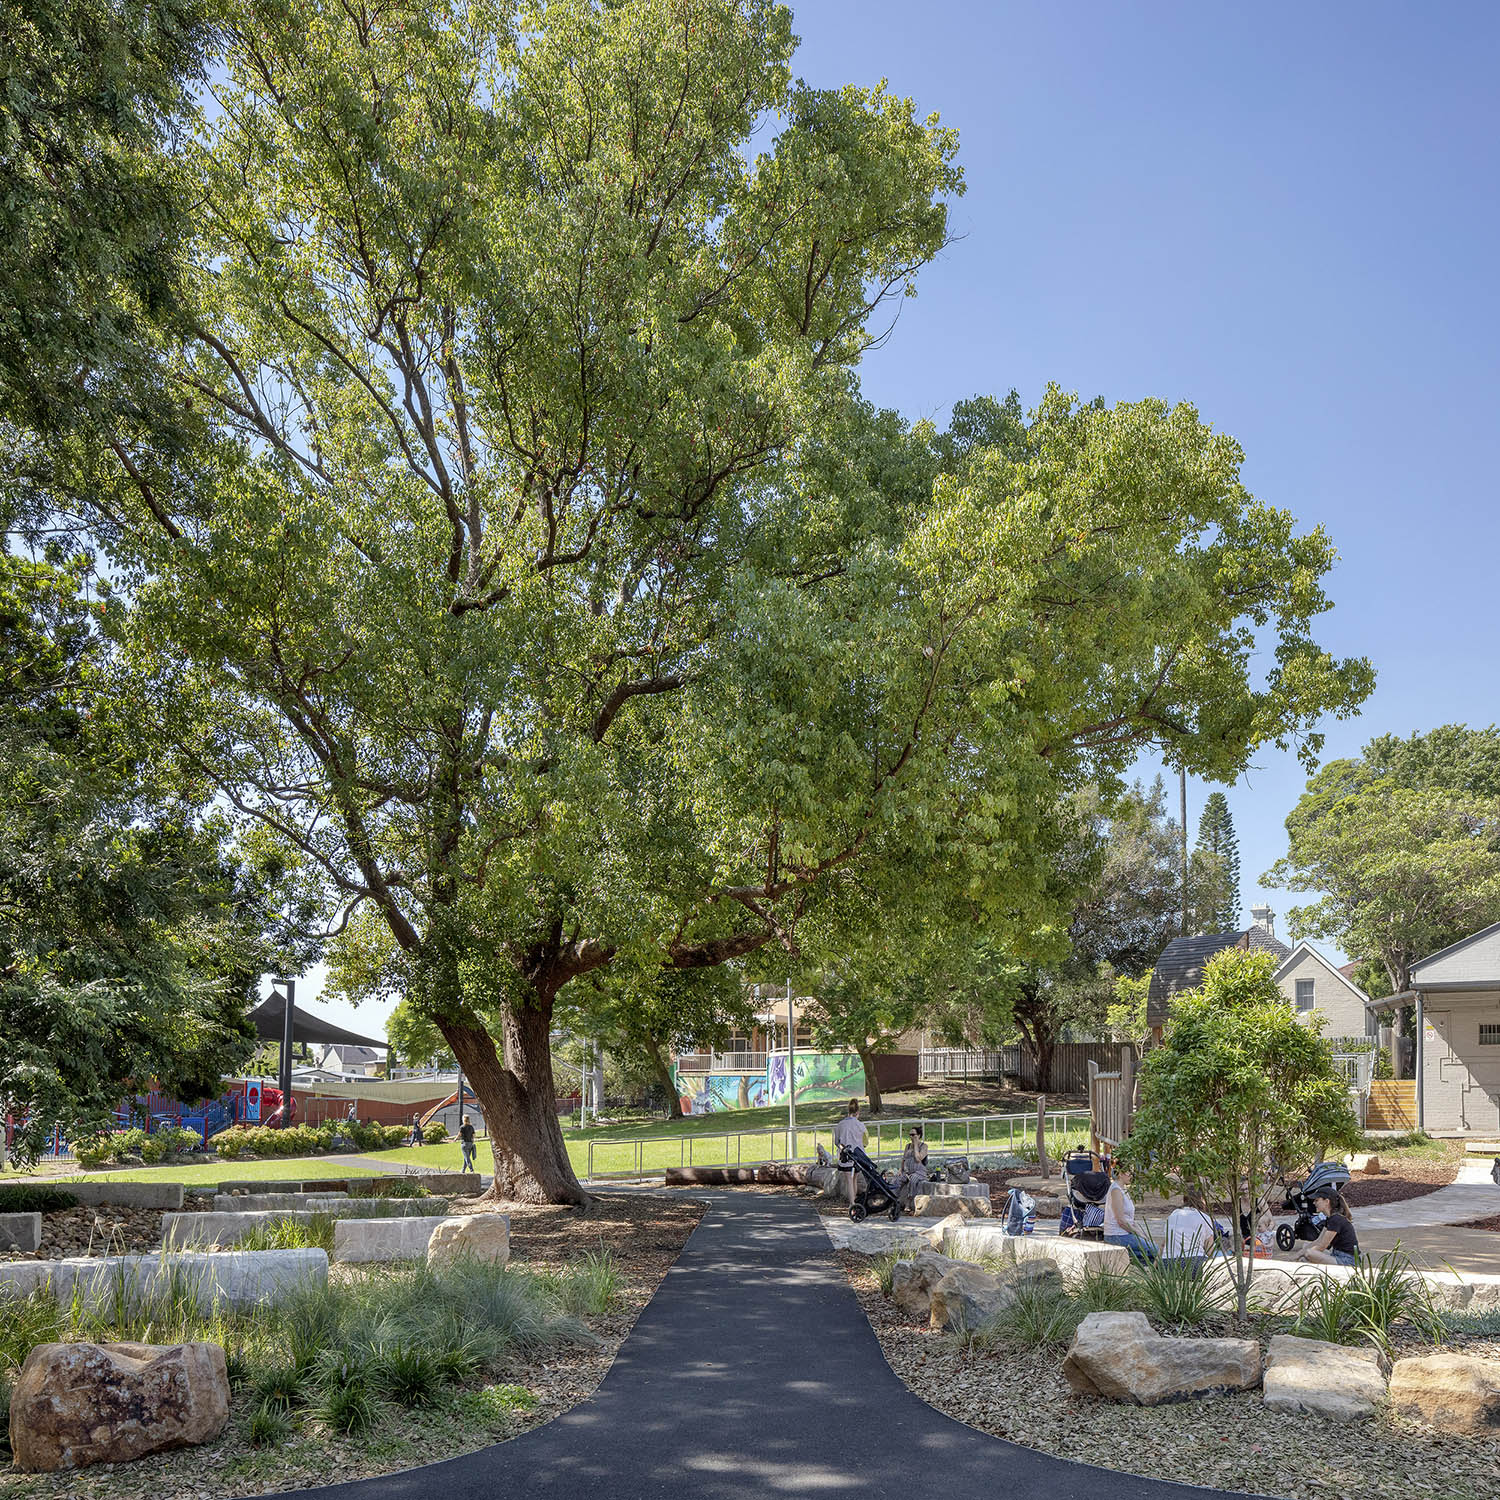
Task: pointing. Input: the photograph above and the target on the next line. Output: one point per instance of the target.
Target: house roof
(1338, 973)
(1452, 948)
(1180, 966)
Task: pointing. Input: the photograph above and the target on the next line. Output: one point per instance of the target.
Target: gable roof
(1452, 950)
(1180, 966)
(1305, 947)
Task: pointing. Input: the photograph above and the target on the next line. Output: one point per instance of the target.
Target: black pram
(874, 1192)
(1087, 1187)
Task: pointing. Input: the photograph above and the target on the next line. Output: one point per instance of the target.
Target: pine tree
(1217, 840)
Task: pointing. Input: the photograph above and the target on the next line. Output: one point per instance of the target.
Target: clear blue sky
(1287, 215)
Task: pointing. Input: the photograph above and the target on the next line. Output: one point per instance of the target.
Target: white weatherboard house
(1457, 995)
(1316, 987)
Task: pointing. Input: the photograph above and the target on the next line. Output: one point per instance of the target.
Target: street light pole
(791, 1075)
(287, 998)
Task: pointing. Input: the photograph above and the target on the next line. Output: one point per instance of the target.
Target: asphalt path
(754, 1373)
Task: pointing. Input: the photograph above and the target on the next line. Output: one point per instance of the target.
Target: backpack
(1020, 1208)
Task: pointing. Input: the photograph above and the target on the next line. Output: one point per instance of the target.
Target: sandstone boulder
(1367, 1165)
(912, 1282)
(79, 1404)
(479, 1237)
(966, 1297)
(1329, 1380)
(1120, 1357)
(1452, 1392)
(944, 1205)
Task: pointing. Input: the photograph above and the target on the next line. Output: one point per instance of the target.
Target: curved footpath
(754, 1372)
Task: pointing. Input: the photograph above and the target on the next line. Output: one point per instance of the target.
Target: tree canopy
(1219, 850)
(1402, 843)
(542, 579)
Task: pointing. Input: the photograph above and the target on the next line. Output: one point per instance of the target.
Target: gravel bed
(643, 1236)
(1227, 1442)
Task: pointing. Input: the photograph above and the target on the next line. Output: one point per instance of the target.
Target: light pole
(791, 1075)
(287, 1010)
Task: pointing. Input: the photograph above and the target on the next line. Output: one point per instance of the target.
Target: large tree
(1218, 851)
(545, 581)
(1402, 843)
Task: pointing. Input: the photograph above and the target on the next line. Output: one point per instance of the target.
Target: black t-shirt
(466, 1134)
(1344, 1238)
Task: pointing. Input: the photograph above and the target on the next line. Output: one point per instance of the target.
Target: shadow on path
(754, 1372)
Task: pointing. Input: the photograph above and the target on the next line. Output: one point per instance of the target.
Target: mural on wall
(821, 1076)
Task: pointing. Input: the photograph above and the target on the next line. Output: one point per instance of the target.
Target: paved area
(754, 1373)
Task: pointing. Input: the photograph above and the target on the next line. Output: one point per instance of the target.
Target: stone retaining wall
(242, 1279)
(165, 1195)
(384, 1239)
(24, 1231)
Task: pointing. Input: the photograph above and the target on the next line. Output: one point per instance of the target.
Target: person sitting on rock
(913, 1174)
(1119, 1220)
(1337, 1245)
(1192, 1234)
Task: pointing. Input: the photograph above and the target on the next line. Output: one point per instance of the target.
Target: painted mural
(821, 1076)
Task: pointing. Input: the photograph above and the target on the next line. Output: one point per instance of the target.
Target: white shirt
(1123, 1223)
(1190, 1231)
(850, 1131)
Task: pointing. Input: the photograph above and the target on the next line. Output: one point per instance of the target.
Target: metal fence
(722, 1062)
(971, 1135)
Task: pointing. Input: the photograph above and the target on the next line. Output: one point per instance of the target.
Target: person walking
(850, 1131)
(416, 1130)
(466, 1138)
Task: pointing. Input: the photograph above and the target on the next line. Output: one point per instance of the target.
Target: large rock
(1452, 1392)
(1120, 1357)
(383, 1239)
(163, 1195)
(1367, 1164)
(1075, 1258)
(912, 1282)
(933, 1205)
(956, 1189)
(238, 1279)
(1328, 1380)
(966, 1297)
(21, 1232)
(478, 1237)
(78, 1404)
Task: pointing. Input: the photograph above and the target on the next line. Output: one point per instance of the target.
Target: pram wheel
(1285, 1237)
(858, 1212)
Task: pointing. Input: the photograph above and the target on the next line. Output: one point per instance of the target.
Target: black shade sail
(268, 1018)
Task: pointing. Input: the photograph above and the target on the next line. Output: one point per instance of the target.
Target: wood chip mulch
(1229, 1442)
(643, 1235)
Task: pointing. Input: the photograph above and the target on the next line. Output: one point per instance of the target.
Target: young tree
(864, 1006)
(545, 581)
(1240, 1092)
(1404, 845)
(1218, 904)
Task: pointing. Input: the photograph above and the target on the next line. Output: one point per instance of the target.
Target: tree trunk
(664, 1077)
(519, 1103)
(1043, 1048)
(872, 1083)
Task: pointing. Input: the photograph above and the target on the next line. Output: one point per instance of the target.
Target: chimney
(1265, 919)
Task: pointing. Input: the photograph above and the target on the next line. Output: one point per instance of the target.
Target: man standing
(466, 1136)
(850, 1131)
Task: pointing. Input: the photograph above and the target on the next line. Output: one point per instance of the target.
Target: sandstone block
(24, 1231)
(383, 1239)
(912, 1282)
(967, 1297)
(79, 1404)
(1328, 1380)
(932, 1206)
(479, 1237)
(1451, 1392)
(1120, 1357)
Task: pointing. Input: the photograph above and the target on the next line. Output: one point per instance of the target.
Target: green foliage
(1173, 1293)
(493, 1408)
(589, 1285)
(1218, 908)
(434, 1134)
(408, 1375)
(279, 1387)
(268, 1425)
(1403, 845)
(1240, 1088)
(347, 1407)
(413, 1036)
(1038, 1318)
(291, 1234)
(34, 1198)
(884, 1265)
(1369, 1304)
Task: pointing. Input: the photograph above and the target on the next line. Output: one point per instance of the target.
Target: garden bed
(1231, 1442)
(563, 1260)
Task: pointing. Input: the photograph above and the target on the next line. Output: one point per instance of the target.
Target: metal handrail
(969, 1132)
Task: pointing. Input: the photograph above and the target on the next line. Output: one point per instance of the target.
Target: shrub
(1039, 1318)
(409, 1375)
(34, 1198)
(348, 1409)
(1174, 1292)
(93, 1152)
(155, 1147)
(291, 1234)
(268, 1426)
(434, 1134)
(1369, 1304)
(392, 1187)
(885, 1267)
(280, 1386)
(590, 1285)
(1106, 1291)
(394, 1135)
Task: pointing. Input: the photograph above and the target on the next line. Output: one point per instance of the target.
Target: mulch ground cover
(643, 1236)
(1229, 1442)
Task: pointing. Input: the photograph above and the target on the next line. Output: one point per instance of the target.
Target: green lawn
(698, 1140)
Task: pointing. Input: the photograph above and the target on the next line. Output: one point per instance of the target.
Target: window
(804, 1034)
(1304, 994)
(1489, 1036)
(738, 1044)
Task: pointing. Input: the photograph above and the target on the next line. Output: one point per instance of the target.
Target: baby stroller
(1087, 1187)
(874, 1193)
(1325, 1176)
